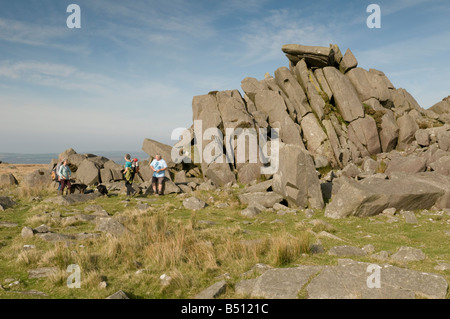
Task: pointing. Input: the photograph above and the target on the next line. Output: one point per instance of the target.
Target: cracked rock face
(348, 280)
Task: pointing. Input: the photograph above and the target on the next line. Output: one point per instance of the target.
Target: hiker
(55, 173)
(159, 166)
(64, 174)
(135, 166)
(129, 175)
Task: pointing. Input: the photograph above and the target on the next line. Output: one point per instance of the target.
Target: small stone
(410, 217)
(165, 280)
(250, 211)
(118, 295)
(41, 272)
(27, 232)
(407, 254)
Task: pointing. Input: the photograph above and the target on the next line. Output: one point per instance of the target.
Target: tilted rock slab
(345, 96)
(296, 179)
(349, 280)
(372, 195)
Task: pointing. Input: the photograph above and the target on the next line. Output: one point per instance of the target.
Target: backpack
(53, 174)
(135, 165)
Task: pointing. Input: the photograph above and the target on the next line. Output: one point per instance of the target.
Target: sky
(132, 68)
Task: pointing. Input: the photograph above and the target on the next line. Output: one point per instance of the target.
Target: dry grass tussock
(159, 243)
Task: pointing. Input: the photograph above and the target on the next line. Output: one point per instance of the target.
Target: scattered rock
(410, 217)
(278, 283)
(213, 291)
(8, 224)
(27, 232)
(250, 212)
(118, 295)
(42, 272)
(194, 203)
(349, 280)
(266, 199)
(110, 226)
(407, 254)
(6, 202)
(346, 251)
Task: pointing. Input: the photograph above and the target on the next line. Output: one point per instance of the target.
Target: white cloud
(264, 38)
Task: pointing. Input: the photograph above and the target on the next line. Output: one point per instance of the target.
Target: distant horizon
(45, 158)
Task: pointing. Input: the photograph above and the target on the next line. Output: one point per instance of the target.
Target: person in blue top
(129, 176)
(64, 174)
(159, 166)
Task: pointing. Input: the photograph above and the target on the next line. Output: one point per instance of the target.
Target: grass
(194, 248)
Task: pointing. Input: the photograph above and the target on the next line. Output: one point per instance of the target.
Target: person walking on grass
(129, 176)
(56, 170)
(159, 166)
(64, 174)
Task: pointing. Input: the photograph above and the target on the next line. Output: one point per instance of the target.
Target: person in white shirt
(159, 167)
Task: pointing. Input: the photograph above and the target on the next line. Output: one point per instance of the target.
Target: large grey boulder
(345, 96)
(442, 166)
(6, 202)
(278, 283)
(296, 179)
(220, 174)
(7, 180)
(352, 280)
(274, 106)
(407, 254)
(232, 110)
(88, 172)
(310, 85)
(407, 129)
(406, 164)
(293, 91)
(251, 87)
(266, 199)
(369, 84)
(315, 56)
(152, 147)
(194, 203)
(389, 132)
(348, 62)
(363, 133)
(213, 291)
(372, 195)
(37, 178)
(111, 226)
(433, 180)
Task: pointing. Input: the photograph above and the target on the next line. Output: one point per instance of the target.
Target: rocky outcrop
(325, 110)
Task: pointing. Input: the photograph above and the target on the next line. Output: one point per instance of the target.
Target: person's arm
(151, 166)
(60, 174)
(164, 164)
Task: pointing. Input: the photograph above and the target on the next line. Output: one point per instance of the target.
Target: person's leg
(160, 185)
(69, 186)
(63, 185)
(127, 184)
(154, 182)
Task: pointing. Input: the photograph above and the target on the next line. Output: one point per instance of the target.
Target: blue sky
(130, 72)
